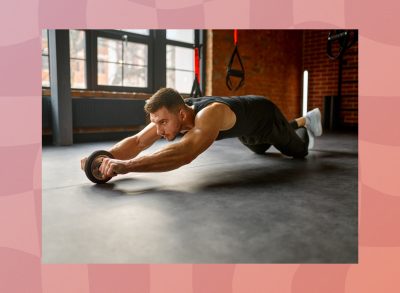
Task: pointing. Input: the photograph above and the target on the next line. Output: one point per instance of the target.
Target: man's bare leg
(301, 122)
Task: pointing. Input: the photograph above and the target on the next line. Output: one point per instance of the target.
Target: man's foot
(313, 122)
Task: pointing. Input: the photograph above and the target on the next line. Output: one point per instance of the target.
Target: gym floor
(227, 206)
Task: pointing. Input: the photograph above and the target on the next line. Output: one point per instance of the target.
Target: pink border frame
(21, 269)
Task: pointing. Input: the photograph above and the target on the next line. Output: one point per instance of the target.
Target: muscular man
(255, 120)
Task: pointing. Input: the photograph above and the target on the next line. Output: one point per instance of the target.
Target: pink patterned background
(21, 269)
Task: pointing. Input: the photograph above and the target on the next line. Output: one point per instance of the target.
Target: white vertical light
(305, 91)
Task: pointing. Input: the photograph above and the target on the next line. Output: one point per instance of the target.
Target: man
(255, 120)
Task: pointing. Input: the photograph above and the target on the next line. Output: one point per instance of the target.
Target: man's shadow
(278, 172)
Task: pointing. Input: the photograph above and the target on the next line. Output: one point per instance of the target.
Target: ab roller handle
(93, 164)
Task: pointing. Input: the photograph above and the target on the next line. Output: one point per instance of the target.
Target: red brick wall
(272, 60)
(323, 75)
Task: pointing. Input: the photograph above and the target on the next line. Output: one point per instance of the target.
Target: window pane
(78, 73)
(109, 50)
(140, 32)
(77, 44)
(45, 46)
(135, 76)
(109, 73)
(186, 36)
(77, 47)
(45, 71)
(180, 58)
(136, 54)
(182, 81)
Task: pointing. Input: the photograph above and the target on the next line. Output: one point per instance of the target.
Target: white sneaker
(310, 139)
(313, 122)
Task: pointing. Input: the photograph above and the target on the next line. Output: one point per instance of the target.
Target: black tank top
(254, 114)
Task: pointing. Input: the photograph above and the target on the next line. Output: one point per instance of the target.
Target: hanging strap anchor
(345, 40)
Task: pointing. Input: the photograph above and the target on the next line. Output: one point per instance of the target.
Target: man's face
(168, 123)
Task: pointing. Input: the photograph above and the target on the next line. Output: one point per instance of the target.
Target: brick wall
(323, 76)
(272, 61)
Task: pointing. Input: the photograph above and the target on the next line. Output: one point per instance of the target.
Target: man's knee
(300, 155)
(259, 149)
(298, 152)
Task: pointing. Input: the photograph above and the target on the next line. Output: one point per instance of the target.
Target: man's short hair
(165, 97)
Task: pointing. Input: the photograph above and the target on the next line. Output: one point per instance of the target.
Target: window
(180, 68)
(45, 60)
(128, 60)
(77, 45)
(121, 63)
(180, 59)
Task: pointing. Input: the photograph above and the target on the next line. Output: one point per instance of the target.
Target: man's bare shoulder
(218, 113)
(216, 108)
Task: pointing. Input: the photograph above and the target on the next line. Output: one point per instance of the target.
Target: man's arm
(131, 146)
(207, 126)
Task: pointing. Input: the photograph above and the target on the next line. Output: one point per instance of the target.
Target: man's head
(165, 97)
(167, 111)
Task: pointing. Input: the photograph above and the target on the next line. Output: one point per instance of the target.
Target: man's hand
(83, 163)
(112, 167)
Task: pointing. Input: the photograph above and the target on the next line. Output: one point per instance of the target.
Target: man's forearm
(126, 149)
(167, 159)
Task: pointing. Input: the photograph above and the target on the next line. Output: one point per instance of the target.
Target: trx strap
(235, 72)
(338, 42)
(196, 91)
(345, 40)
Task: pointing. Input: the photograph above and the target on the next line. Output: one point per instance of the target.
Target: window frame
(131, 37)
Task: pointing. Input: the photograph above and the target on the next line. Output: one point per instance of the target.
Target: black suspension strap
(237, 73)
(196, 90)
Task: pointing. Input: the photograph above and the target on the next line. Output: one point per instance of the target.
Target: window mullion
(159, 57)
(201, 37)
(91, 53)
(123, 59)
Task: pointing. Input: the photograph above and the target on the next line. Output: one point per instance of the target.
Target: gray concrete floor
(227, 206)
